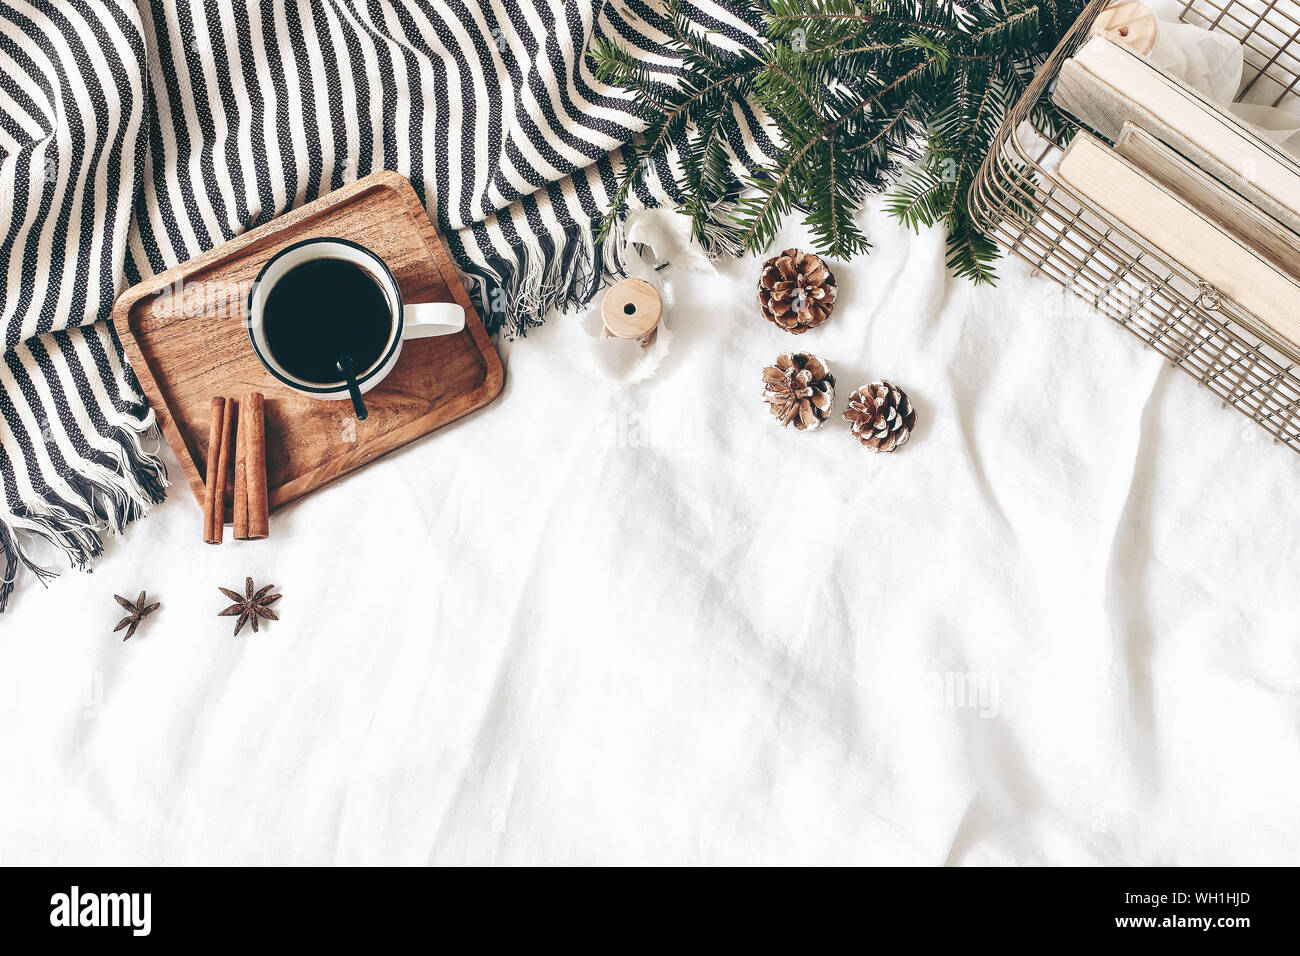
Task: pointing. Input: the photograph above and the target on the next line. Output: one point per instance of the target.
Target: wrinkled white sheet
(646, 625)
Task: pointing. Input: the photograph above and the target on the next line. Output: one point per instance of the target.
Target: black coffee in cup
(321, 310)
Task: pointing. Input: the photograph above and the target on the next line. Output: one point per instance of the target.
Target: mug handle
(426, 319)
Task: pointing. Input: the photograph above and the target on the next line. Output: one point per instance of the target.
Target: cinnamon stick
(241, 480)
(223, 466)
(252, 427)
(258, 504)
(214, 490)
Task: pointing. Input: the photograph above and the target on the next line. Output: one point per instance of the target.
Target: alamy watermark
(680, 429)
(53, 691)
(74, 908)
(194, 299)
(977, 691)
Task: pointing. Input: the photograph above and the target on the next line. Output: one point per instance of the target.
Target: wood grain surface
(184, 333)
(631, 309)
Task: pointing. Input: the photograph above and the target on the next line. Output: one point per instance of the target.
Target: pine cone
(800, 389)
(796, 290)
(881, 415)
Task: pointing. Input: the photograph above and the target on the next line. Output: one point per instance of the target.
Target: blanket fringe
(106, 499)
(515, 295)
(721, 241)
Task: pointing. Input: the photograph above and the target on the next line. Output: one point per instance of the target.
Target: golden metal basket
(1019, 202)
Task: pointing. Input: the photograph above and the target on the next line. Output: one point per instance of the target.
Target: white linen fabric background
(590, 624)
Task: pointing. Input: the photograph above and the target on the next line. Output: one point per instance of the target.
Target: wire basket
(1018, 201)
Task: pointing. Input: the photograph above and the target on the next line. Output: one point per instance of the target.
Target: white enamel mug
(417, 321)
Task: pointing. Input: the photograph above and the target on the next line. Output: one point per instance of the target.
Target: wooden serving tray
(183, 331)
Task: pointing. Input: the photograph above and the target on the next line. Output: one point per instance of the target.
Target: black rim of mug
(342, 385)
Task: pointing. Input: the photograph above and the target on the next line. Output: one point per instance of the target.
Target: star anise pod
(135, 613)
(249, 605)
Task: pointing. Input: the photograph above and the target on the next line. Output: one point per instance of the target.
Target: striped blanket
(134, 136)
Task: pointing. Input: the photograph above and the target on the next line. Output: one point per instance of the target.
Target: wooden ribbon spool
(632, 309)
(1129, 24)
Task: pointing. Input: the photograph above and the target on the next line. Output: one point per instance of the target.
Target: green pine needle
(904, 95)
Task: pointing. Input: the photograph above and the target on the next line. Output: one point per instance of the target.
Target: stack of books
(1187, 177)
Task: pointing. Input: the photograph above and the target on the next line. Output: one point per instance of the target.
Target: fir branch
(755, 227)
(889, 127)
(663, 131)
(856, 90)
(683, 34)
